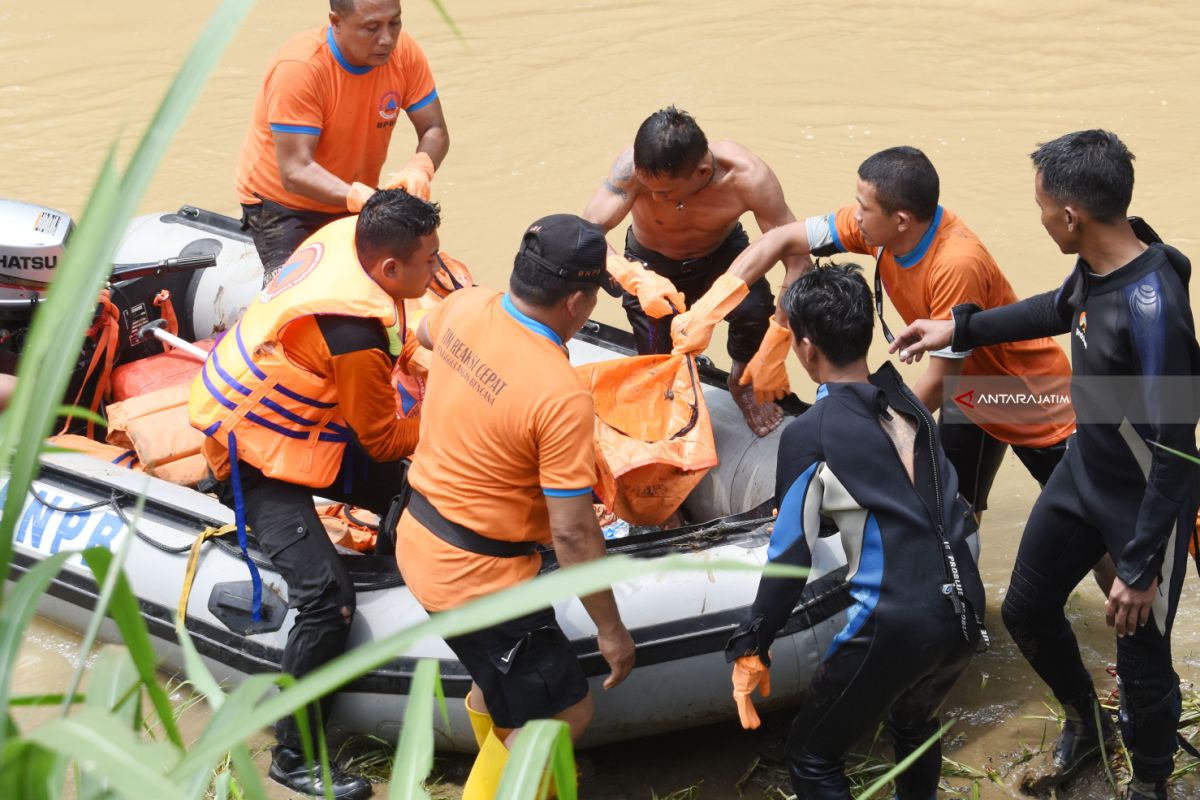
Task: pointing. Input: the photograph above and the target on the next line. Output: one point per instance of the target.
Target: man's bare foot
(761, 417)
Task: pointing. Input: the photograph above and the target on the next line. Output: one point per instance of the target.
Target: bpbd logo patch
(389, 106)
(298, 267)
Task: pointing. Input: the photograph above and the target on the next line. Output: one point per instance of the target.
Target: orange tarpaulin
(654, 439)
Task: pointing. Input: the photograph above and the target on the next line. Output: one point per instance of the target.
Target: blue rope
(239, 515)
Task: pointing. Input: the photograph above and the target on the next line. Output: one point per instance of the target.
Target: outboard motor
(32, 240)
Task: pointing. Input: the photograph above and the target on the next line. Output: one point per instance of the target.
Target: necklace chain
(679, 203)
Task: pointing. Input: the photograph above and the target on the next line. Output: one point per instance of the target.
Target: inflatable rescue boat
(210, 270)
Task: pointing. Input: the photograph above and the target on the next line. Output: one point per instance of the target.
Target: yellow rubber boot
(481, 722)
(484, 780)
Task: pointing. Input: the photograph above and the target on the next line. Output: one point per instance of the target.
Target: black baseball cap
(571, 248)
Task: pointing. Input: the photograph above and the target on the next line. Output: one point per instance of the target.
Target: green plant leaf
(197, 671)
(30, 772)
(14, 619)
(100, 744)
(249, 782)
(112, 678)
(107, 588)
(542, 746)
(573, 581)
(449, 20)
(414, 751)
(34, 700)
(890, 775)
(127, 614)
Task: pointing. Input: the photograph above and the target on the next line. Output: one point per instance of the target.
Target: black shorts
(976, 456)
(525, 668)
(278, 230)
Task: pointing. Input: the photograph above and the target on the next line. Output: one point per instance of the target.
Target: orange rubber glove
(656, 294)
(692, 331)
(767, 370)
(358, 196)
(749, 673)
(415, 178)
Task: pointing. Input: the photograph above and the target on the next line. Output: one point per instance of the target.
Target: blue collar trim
(341, 59)
(529, 322)
(822, 391)
(909, 259)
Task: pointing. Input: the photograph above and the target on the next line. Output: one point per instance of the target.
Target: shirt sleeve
(419, 88)
(565, 444)
(293, 96)
(1165, 345)
(845, 234)
(798, 496)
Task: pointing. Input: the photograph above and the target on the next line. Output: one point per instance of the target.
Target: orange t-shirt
(311, 89)
(505, 423)
(951, 266)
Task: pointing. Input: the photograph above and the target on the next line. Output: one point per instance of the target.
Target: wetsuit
(694, 277)
(912, 627)
(1114, 491)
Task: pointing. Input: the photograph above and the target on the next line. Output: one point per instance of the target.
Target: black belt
(461, 536)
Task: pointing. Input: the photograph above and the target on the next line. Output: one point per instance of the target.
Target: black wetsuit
(747, 322)
(912, 627)
(1114, 491)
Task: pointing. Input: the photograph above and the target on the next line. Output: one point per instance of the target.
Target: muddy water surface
(541, 96)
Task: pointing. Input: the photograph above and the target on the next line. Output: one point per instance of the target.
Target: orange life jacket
(284, 419)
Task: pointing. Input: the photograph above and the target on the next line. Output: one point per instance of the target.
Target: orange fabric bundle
(654, 439)
(156, 372)
(113, 454)
(347, 532)
(156, 426)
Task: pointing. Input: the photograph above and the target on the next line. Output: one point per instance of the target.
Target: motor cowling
(33, 239)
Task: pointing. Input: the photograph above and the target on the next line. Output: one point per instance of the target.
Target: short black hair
(392, 222)
(669, 144)
(342, 7)
(904, 180)
(534, 285)
(831, 305)
(1093, 169)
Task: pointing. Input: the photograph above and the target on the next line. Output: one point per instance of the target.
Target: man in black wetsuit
(867, 455)
(1134, 357)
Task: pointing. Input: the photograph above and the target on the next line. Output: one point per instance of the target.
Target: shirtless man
(686, 196)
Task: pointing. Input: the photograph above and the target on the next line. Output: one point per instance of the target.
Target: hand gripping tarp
(654, 439)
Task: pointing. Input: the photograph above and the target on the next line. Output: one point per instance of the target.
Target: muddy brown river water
(541, 96)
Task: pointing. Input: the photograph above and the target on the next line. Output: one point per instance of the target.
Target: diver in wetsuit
(867, 455)
(1134, 356)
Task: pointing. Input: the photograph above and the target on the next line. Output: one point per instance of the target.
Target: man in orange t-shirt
(322, 123)
(928, 261)
(505, 462)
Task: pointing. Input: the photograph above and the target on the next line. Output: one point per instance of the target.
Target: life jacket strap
(461, 536)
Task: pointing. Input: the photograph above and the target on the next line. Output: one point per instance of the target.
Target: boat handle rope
(189, 574)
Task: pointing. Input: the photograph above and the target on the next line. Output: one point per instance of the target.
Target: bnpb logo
(298, 267)
(389, 106)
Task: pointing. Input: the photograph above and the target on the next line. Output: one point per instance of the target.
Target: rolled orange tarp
(654, 439)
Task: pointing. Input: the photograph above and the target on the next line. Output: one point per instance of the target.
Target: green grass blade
(127, 614)
(577, 580)
(249, 782)
(1173, 451)
(100, 744)
(14, 619)
(197, 671)
(414, 751)
(52, 347)
(107, 588)
(890, 775)
(35, 700)
(112, 677)
(30, 772)
(57, 332)
(540, 745)
(449, 20)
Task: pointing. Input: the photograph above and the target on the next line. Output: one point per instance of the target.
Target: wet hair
(904, 180)
(831, 305)
(391, 223)
(534, 285)
(669, 144)
(1092, 169)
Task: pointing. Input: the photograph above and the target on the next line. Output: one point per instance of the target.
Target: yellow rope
(190, 573)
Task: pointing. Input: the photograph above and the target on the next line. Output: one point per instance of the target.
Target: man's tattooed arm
(622, 172)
